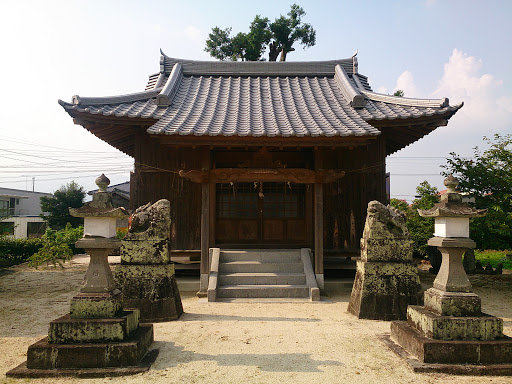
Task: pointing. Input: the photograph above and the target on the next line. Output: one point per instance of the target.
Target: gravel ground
(236, 342)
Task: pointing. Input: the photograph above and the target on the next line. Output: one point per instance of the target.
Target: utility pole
(33, 183)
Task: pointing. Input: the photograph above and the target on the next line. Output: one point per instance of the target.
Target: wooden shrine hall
(260, 155)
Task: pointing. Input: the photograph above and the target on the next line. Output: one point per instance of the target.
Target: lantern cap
(101, 204)
(451, 204)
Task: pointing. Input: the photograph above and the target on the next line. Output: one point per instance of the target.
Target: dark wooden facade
(342, 179)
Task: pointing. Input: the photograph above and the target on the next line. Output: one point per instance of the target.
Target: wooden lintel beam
(293, 175)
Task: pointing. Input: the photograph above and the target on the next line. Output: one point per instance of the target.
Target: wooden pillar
(319, 224)
(205, 229)
(319, 234)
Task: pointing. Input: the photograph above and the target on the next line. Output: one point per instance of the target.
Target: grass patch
(494, 257)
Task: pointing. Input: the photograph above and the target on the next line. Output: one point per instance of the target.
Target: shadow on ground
(288, 362)
(190, 316)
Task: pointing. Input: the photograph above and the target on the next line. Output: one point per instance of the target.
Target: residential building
(20, 213)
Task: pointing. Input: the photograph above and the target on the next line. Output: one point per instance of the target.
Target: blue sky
(55, 49)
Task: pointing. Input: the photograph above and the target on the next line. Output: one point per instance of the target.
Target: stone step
(269, 278)
(259, 267)
(264, 256)
(261, 291)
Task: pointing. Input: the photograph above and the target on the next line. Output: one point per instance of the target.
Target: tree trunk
(284, 52)
(274, 52)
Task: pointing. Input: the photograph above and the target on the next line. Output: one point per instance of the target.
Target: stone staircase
(270, 274)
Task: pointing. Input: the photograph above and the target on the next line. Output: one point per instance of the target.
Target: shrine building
(260, 154)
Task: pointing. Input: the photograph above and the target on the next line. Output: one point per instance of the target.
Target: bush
(494, 258)
(17, 251)
(57, 246)
(420, 228)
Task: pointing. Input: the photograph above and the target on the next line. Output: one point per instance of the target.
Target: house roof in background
(122, 189)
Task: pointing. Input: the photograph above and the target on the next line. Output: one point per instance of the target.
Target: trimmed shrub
(17, 251)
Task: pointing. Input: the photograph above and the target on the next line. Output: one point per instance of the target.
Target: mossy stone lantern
(451, 237)
(450, 333)
(98, 298)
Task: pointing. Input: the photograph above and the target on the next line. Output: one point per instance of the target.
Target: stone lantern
(451, 289)
(450, 333)
(97, 337)
(98, 297)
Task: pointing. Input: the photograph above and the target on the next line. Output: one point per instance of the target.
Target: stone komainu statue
(386, 279)
(150, 222)
(146, 274)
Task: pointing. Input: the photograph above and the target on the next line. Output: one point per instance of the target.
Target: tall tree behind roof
(279, 36)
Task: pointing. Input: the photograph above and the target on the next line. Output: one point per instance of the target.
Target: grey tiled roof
(326, 98)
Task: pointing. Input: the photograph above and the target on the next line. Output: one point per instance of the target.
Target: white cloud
(382, 90)
(430, 3)
(193, 33)
(484, 103)
(405, 82)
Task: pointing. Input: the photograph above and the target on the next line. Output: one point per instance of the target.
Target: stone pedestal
(386, 280)
(152, 289)
(146, 275)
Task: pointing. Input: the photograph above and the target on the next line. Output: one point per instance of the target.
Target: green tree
(56, 246)
(488, 177)
(420, 228)
(399, 93)
(70, 195)
(279, 36)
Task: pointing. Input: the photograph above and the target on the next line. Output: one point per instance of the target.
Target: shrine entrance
(262, 213)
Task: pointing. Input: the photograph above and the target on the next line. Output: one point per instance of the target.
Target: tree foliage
(57, 246)
(399, 93)
(488, 177)
(279, 36)
(70, 195)
(420, 228)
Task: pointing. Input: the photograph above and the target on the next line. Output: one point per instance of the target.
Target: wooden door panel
(248, 230)
(273, 230)
(295, 230)
(226, 230)
(260, 213)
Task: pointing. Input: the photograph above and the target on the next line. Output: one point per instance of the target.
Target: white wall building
(20, 211)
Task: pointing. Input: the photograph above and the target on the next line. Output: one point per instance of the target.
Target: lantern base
(96, 305)
(128, 357)
(452, 303)
(475, 357)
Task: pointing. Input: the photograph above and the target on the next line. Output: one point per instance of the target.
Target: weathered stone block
(96, 305)
(66, 330)
(452, 303)
(386, 250)
(382, 290)
(152, 289)
(439, 327)
(432, 351)
(144, 271)
(145, 251)
(129, 352)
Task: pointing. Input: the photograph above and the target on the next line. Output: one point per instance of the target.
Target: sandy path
(236, 343)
